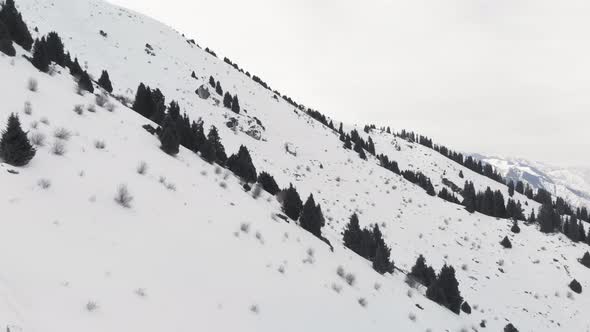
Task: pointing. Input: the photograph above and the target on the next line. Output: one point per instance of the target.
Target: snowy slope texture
(571, 183)
(194, 250)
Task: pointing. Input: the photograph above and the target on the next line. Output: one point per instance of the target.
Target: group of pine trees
(310, 214)
(421, 180)
(231, 102)
(442, 288)
(216, 86)
(390, 165)
(356, 142)
(490, 203)
(368, 243)
(320, 118)
(13, 29)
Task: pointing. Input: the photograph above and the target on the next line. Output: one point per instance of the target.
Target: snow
(209, 256)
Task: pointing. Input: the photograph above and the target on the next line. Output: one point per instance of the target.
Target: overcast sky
(498, 77)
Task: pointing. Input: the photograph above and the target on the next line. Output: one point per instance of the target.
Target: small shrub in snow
(99, 145)
(33, 85)
(101, 100)
(412, 316)
(257, 191)
(34, 124)
(44, 183)
(223, 185)
(38, 139)
(110, 107)
(58, 148)
(91, 108)
(363, 302)
(245, 227)
(28, 108)
(281, 269)
(464, 267)
(62, 133)
(45, 121)
(171, 186)
(337, 288)
(140, 292)
(91, 306)
(78, 109)
(350, 279)
(254, 308)
(123, 197)
(377, 286)
(142, 168)
(340, 272)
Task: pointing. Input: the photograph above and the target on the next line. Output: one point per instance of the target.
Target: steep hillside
(196, 250)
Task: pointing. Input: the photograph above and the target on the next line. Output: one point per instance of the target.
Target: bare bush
(101, 100)
(58, 148)
(350, 278)
(245, 227)
(99, 144)
(257, 191)
(340, 272)
(62, 133)
(91, 306)
(337, 288)
(44, 120)
(412, 316)
(38, 139)
(254, 308)
(91, 108)
(363, 302)
(33, 85)
(44, 183)
(110, 107)
(28, 108)
(78, 109)
(123, 197)
(171, 186)
(142, 168)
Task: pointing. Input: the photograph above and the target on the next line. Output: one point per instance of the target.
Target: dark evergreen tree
(212, 82)
(55, 49)
(519, 187)
(235, 105)
(466, 308)
(469, 197)
(292, 204)
(423, 273)
(268, 183)
(510, 328)
(515, 229)
(169, 137)
(84, 83)
(586, 260)
(215, 141)
(461, 174)
(448, 282)
(15, 148)
(381, 262)
(506, 243)
(40, 57)
(241, 164)
(575, 286)
(15, 25)
(105, 82)
(218, 89)
(548, 219)
(311, 218)
(511, 188)
(352, 236)
(75, 68)
(227, 99)
(6, 46)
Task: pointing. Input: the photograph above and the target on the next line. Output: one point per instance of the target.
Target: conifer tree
(15, 148)
(423, 273)
(292, 204)
(511, 188)
(586, 260)
(311, 218)
(15, 25)
(215, 141)
(235, 105)
(169, 137)
(212, 82)
(515, 229)
(381, 262)
(218, 89)
(227, 99)
(40, 58)
(105, 82)
(268, 183)
(575, 286)
(506, 243)
(198, 134)
(450, 286)
(84, 83)
(241, 164)
(55, 49)
(352, 236)
(6, 46)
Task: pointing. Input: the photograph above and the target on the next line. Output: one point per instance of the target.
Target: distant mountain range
(570, 183)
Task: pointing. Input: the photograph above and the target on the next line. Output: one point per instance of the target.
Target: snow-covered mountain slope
(573, 184)
(196, 251)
